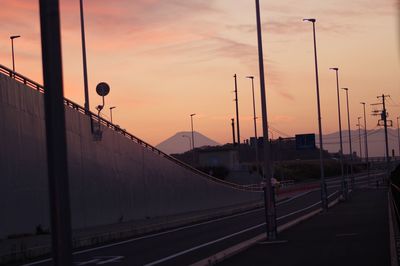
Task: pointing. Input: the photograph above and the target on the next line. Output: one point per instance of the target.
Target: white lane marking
(170, 231)
(296, 197)
(100, 260)
(272, 242)
(348, 234)
(203, 245)
(298, 211)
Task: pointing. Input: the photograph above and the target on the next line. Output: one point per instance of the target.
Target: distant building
(226, 156)
(300, 147)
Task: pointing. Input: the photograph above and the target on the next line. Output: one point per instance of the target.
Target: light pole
(269, 197)
(237, 111)
(398, 133)
(191, 121)
(324, 198)
(255, 121)
(233, 131)
(343, 183)
(359, 134)
(111, 108)
(57, 162)
(349, 129)
(190, 141)
(365, 139)
(12, 50)
(85, 78)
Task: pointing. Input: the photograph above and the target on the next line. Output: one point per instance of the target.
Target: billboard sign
(305, 142)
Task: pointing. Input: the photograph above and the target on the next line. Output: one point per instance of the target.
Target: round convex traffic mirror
(102, 89)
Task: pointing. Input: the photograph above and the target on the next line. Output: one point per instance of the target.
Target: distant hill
(178, 144)
(376, 142)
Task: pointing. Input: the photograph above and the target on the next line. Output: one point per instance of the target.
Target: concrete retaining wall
(110, 180)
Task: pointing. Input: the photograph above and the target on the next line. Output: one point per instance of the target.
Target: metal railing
(395, 197)
(94, 117)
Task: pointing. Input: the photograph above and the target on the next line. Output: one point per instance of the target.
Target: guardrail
(395, 197)
(94, 117)
(394, 221)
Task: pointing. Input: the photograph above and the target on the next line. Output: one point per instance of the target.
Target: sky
(167, 59)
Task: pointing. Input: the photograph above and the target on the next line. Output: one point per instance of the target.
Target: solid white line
(348, 234)
(296, 197)
(203, 245)
(272, 242)
(179, 229)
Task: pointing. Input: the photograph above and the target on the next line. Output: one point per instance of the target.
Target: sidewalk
(351, 233)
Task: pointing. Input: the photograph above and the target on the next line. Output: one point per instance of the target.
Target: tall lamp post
(12, 49)
(190, 141)
(359, 134)
(57, 164)
(398, 133)
(324, 198)
(349, 129)
(365, 139)
(191, 122)
(111, 108)
(255, 121)
(85, 77)
(237, 111)
(343, 183)
(269, 197)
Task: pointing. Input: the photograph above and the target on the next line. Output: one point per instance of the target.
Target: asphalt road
(189, 244)
(354, 233)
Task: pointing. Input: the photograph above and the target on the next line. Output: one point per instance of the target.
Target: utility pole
(237, 111)
(366, 139)
(57, 164)
(269, 197)
(383, 119)
(359, 134)
(233, 131)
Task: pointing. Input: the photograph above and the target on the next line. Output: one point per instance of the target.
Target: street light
(190, 141)
(255, 120)
(365, 138)
(343, 185)
(12, 50)
(348, 125)
(269, 198)
(57, 161)
(85, 78)
(191, 121)
(111, 108)
(359, 134)
(398, 133)
(324, 199)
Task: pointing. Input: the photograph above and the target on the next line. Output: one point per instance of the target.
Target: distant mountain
(376, 142)
(178, 144)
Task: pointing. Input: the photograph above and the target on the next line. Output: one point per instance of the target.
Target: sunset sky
(166, 59)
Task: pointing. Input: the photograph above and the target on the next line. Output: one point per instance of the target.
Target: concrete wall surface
(110, 180)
